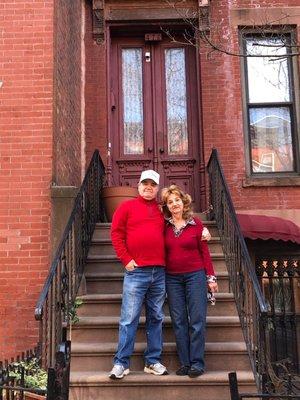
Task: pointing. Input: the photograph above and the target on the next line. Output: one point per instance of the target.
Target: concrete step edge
(214, 239)
(97, 348)
(116, 298)
(106, 225)
(119, 275)
(110, 257)
(114, 321)
(100, 378)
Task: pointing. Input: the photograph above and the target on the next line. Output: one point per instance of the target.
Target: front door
(154, 117)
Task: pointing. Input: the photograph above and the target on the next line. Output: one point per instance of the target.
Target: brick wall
(222, 109)
(67, 93)
(26, 54)
(30, 158)
(95, 93)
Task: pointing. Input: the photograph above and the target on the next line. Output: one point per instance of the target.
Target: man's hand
(205, 234)
(131, 265)
(213, 287)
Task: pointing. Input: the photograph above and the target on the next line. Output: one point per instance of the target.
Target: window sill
(272, 181)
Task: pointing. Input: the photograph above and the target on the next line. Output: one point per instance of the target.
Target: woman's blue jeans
(144, 284)
(187, 298)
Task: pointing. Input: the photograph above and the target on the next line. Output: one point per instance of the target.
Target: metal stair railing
(251, 305)
(54, 306)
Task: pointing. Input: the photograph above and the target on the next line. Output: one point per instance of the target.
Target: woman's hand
(213, 287)
(205, 234)
(131, 265)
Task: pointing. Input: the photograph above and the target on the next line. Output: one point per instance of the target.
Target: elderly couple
(162, 250)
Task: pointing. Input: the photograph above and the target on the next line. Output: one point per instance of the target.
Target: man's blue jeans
(143, 284)
(187, 298)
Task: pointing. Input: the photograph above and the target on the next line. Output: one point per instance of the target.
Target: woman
(189, 271)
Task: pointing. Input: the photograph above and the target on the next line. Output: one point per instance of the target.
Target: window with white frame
(271, 121)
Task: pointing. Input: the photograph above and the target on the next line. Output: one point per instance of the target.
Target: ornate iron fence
(288, 393)
(279, 276)
(257, 320)
(23, 377)
(54, 307)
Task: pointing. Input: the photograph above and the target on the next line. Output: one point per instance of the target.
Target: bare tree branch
(197, 34)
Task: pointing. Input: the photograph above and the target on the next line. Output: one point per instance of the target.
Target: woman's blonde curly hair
(186, 199)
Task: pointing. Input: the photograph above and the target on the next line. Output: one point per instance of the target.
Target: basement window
(272, 144)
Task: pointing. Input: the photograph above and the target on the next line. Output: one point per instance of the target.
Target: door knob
(150, 149)
(161, 150)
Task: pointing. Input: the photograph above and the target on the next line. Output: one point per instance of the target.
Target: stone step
(102, 230)
(104, 246)
(99, 356)
(104, 282)
(213, 385)
(105, 329)
(110, 263)
(110, 304)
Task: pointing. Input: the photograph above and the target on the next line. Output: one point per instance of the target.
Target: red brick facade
(54, 113)
(68, 89)
(26, 101)
(223, 119)
(95, 93)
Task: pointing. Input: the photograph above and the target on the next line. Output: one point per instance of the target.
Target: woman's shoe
(194, 372)
(184, 370)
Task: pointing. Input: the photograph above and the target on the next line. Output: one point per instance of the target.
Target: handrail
(61, 286)
(251, 304)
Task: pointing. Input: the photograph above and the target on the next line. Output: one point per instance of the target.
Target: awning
(266, 227)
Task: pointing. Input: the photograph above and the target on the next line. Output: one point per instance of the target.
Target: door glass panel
(132, 88)
(271, 139)
(176, 101)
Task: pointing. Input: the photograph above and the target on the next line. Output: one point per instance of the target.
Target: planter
(33, 396)
(113, 196)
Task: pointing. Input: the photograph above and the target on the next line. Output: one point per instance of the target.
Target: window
(271, 122)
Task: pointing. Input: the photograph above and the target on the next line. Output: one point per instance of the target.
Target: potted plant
(113, 196)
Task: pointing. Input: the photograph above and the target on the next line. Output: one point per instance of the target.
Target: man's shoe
(194, 372)
(156, 369)
(184, 370)
(118, 372)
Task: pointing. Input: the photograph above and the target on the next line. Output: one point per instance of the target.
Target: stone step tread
(214, 239)
(107, 348)
(100, 378)
(111, 257)
(113, 297)
(116, 276)
(100, 225)
(113, 321)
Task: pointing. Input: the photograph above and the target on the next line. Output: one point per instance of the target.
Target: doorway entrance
(154, 112)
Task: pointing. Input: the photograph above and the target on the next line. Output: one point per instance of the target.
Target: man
(137, 236)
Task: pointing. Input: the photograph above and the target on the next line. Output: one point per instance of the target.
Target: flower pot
(113, 196)
(33, 396)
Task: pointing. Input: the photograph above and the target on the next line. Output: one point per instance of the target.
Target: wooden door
(154, 117)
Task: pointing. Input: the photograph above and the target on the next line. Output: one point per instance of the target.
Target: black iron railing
(54, 307)
(279, 277)
(289, 392)
(251, 305)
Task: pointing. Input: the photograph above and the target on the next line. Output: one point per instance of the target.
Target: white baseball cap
(149, 174)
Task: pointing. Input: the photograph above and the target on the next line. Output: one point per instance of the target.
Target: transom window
(270, 105)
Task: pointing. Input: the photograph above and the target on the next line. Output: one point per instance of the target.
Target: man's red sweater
(187, 252)
(137, 232)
